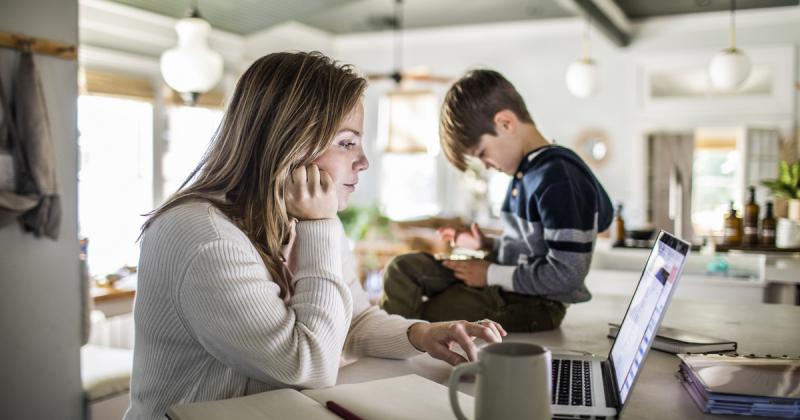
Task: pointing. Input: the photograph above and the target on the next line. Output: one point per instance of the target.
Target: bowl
(640, 234)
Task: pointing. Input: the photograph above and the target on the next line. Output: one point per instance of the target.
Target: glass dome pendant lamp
(192, 68)
(581, 76)
(730, 67)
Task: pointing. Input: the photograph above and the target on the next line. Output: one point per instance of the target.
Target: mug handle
(455, 377)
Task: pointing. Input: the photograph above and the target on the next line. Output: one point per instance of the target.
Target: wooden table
(760, 329)
(113, 301)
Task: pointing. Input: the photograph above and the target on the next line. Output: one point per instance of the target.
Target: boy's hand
(474, 273)
(469, 239)
(310, 194)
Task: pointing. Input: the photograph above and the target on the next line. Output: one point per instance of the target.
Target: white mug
(513, 382)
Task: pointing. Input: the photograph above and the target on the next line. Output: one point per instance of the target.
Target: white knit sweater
(210, 324)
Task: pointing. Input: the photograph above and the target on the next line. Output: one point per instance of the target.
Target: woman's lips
(350, 187)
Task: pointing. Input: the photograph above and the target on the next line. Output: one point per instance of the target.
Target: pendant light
(192, 68)
(581, 77)
(730, 67)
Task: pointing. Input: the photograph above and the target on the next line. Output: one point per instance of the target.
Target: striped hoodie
(552, 212)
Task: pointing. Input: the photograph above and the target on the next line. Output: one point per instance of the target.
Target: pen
(341, 411)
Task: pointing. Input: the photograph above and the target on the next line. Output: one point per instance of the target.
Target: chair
(105, 371)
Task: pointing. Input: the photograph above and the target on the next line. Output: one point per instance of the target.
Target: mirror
(593, 147)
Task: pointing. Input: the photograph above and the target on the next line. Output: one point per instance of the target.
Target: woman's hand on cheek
(310, 194)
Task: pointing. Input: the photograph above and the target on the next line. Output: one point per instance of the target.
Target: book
(403, 397)
(743, 385)
(674, 340)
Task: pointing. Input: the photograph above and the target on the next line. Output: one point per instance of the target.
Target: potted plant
(359, 220)
(787, 186)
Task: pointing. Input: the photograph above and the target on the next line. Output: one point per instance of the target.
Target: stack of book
(744, 385)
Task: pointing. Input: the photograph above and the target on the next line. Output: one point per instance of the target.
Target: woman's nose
(361, 163)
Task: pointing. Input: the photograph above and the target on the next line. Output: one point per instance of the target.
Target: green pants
(417, 286)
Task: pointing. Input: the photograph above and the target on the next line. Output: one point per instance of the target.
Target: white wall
(39, 299)
(534, 56)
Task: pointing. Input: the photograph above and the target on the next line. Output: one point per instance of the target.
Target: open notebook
(403, 397)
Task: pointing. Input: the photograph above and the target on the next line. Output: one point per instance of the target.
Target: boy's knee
(399, 273)
(405, 264)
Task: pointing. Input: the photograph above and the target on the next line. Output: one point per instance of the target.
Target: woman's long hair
(284, 112)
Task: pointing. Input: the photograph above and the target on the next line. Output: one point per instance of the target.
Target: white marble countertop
(758, 328)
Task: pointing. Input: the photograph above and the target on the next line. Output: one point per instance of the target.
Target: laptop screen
(646, 310)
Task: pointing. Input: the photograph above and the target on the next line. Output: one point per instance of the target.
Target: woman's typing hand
(436, 338)
(310, 194)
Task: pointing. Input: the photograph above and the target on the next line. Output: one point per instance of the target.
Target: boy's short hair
(469, 109)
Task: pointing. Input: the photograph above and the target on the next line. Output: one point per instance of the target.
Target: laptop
(595, 387)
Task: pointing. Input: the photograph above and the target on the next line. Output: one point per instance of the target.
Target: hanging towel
(12, 205)
(33, 128)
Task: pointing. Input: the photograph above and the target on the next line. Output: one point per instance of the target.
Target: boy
(551, 215)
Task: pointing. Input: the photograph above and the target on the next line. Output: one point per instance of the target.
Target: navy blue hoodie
(553, 210)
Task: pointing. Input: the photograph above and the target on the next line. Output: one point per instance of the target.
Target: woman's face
(344, 158)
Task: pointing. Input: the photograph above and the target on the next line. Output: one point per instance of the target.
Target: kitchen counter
(750, 278)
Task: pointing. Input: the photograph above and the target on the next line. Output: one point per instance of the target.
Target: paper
(404, 397)
(273, 405)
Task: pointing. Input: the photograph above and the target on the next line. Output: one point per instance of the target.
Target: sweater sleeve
(569, 221)
(373, 332)
(236, 313)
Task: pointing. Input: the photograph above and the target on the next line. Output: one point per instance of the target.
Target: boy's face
(502, 151)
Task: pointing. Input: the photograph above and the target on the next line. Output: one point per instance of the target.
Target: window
(115, 184)
(408, 186)
(727, 160)
(189, 133)
(409, 164)
(716, 163)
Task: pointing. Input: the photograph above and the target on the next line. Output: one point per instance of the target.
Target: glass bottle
(768, 227)
(619, 228)
(751, 212)
(733, 228)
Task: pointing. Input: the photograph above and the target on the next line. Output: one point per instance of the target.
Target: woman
(246, 283)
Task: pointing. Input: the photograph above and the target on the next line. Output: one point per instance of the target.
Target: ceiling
(245, 17)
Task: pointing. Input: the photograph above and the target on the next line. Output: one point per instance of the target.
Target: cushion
(105, 371)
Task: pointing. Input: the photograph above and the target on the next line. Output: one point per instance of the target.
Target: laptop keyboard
(571, 382)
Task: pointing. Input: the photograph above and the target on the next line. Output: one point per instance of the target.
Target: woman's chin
(343, 200)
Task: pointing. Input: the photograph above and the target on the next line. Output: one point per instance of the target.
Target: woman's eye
(347, 144)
